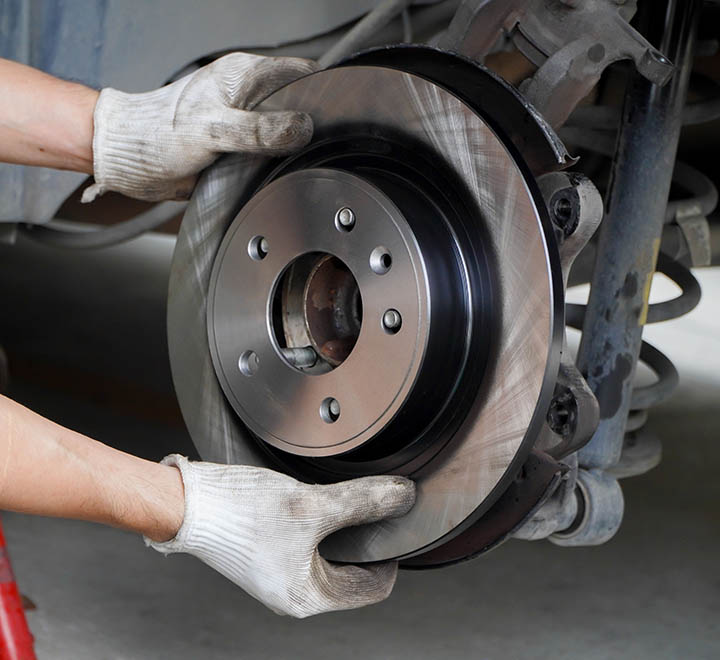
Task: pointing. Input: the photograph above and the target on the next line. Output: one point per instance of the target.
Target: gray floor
(652, 592)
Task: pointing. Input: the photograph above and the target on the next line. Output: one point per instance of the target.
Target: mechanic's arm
(152, 145)
(48, 470)
(45, 121)
(259, 528)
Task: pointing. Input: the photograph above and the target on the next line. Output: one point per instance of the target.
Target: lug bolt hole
(249, 363)
(392, 321)
(258, 248)
(345, 219)
(380, 260)
(329, 410)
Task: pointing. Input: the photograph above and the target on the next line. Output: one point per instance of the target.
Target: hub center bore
(317, 305)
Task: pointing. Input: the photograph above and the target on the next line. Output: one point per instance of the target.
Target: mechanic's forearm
(45, 121)
(48, 470)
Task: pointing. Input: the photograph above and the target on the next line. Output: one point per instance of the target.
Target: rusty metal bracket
(576, 209)
(571, 41)
(478, 24)
(573, 415)
(558, 511)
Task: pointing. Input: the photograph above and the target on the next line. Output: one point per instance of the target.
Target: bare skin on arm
(45, 121)
(48, 470)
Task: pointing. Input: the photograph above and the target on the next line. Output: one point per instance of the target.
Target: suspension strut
(627, 254)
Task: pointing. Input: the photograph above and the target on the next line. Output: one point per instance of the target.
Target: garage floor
(652, 592)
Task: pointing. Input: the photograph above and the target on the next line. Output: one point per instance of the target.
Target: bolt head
(391, 319)
(564, 211)
(346, 217)
(334, 408)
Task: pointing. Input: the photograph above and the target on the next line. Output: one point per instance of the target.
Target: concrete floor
(652, 592)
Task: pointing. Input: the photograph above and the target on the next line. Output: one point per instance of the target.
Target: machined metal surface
(539, 479)
(505, 412)
(509, 111)
(280, 403)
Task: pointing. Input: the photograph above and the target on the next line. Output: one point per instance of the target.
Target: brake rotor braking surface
(436, 353)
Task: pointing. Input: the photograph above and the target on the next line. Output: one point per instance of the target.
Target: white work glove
(261, 530)
(152, 146)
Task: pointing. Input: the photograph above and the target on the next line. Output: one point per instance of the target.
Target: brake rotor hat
(318, 287)
(328, 323)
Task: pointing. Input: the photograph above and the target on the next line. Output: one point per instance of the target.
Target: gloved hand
(261, 530)
(152, 146)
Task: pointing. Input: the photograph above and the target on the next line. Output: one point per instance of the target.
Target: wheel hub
(325, 290)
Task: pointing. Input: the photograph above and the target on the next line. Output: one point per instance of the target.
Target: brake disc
(386, 301)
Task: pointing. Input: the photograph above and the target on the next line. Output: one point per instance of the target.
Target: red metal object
(16, 641)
